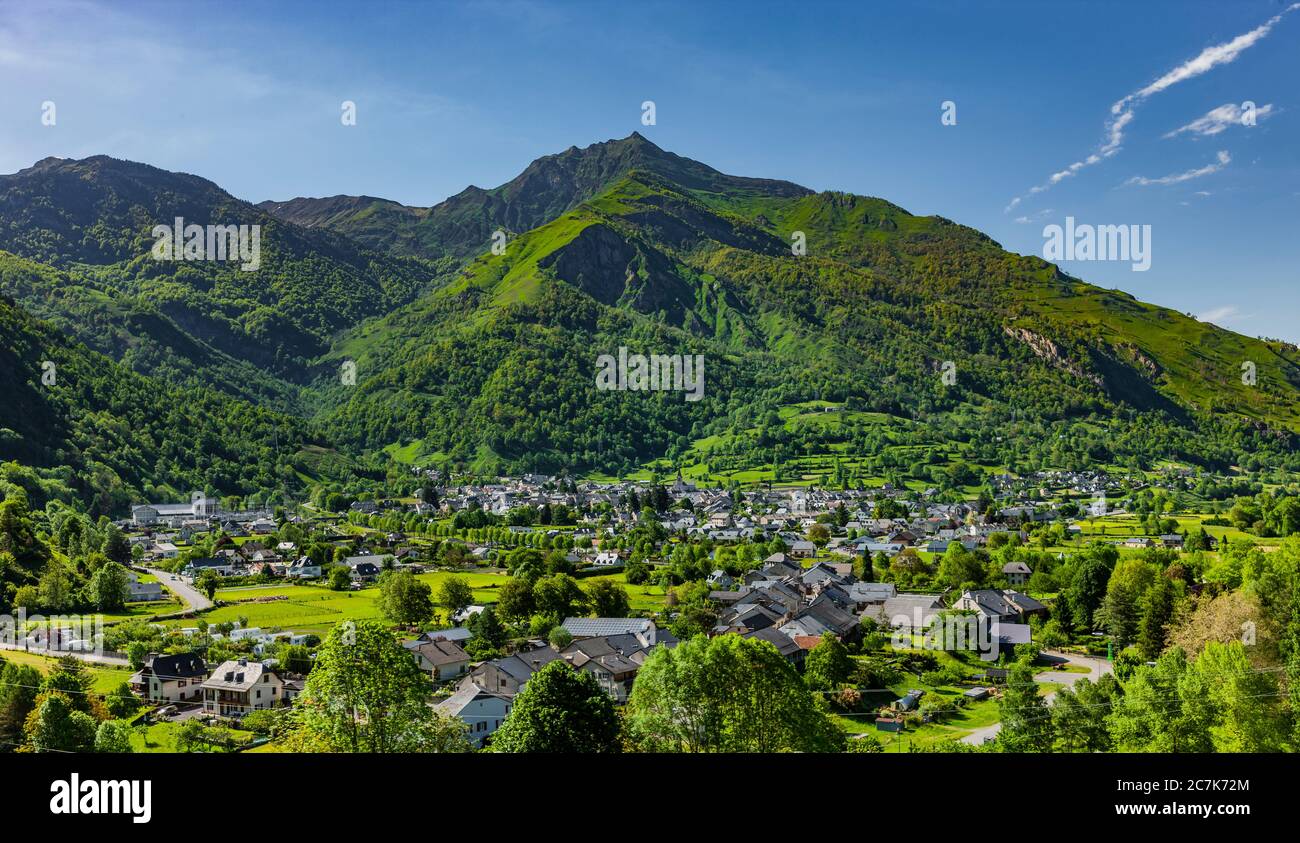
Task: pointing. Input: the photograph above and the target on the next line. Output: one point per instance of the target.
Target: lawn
(161, 737)
(312, 608)
(106, 677)
(955, 727)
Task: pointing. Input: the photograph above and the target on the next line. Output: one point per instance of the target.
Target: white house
(482, 711)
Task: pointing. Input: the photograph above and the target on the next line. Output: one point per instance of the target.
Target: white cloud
(1226, 313)
(1122, 111)
(1221, 160)
(1023, 220)
(1218, 119)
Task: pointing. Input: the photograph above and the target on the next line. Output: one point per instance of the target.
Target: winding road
(1096, 668)
(195, 600)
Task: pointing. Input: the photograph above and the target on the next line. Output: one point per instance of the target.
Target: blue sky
(833, 96)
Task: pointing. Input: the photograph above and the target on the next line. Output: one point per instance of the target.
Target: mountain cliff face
(487, 359)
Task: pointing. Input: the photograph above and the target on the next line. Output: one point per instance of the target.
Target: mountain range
(840, 333)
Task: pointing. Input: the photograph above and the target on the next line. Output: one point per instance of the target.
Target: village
(795, 567)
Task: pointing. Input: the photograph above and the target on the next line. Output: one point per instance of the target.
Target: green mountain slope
(102, 433)
(251, 333)
(867, 317)
(832, 357)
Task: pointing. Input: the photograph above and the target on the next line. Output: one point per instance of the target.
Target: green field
(315, 609)
(955, 727)
(106, 677)
(160, 737)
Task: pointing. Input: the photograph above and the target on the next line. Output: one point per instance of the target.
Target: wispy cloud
(1218, 119)
(1026, 219)
(1221, 160)
(1124, 109)
(1226, 313)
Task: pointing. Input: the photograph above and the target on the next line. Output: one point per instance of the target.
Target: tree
(19, 685)
(1079, 714)
(560, 710)
(208, 581)
(828, 664)
(109, 587)
(726, 694)
(1087, 587)
(455, 593)
(487, 628)
(121, 702)
(366, 694)
(1157, 612)
(515, 600)
(136, 653)
(608, 599)
(189, 736)
(296, 659)
(1122, 607)
(1251, 717)
(71, 678)
(1026, 720)
(56, 726)
(559, 637)
(559, 596)
(819, 534)
(1166, 707)
(403, 599)
(339, 578)
(113, 736)
(960, 568)
(115, 546)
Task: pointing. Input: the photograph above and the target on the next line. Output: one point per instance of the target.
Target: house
(508, 676)
(1017, 573)
(143, 592)
(613, 670)
(224, 566)
(482, 711)
(802, 549)
(303, 568)
(240, 686)
(864, 594)
(441, 659)
(459, 634)
(365, 568)
(643, 628)
(170, 679)
(907, 611)
(606, 559)
(784, 644)
(1138, 543)
(1004, 606)
(1172, 540)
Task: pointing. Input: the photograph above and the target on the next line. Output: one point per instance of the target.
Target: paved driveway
(1096, 669)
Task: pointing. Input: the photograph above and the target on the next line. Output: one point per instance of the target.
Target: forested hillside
(471, 358)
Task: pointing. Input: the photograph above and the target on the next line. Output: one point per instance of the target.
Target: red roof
(807, 642)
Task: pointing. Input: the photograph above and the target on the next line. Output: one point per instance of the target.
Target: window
(259, 693)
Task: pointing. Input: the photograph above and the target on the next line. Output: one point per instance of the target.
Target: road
(196, 600)
(97, 658)
(1096, 668)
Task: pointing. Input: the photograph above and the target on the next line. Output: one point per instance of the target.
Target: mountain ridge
(481, 356)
